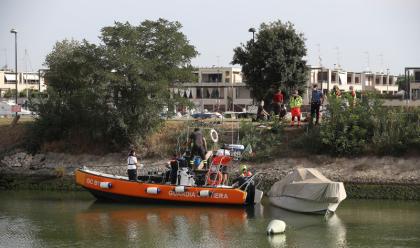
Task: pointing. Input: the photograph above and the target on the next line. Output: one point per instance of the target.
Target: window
(349, 80)
(322, 76)
(199, 93)
(333, 77)
(357, 80)
(9, 78)
(207, 93)
(217, 93)
(417, 76)
(242, 93)
(211, 77)
(377, 80)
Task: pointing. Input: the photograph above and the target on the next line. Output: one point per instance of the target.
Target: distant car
(247, 115)
(208, 115)
(239, 115)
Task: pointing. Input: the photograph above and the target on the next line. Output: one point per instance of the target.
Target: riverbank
(364, 177)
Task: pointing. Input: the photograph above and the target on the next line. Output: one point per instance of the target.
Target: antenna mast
(319, 55)
(381, 56)
(368, 61)
(338, 56)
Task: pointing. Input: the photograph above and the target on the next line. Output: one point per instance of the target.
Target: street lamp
(14, 31)
(252, 30)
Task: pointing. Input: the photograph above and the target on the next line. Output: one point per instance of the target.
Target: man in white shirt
(132, 166)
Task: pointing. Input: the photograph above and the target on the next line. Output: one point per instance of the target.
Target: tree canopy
(115, 91)
(274, 59)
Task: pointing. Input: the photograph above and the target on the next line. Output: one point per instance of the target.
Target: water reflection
(187, 226)
(307, 230)
(175, 225)
(47, 219)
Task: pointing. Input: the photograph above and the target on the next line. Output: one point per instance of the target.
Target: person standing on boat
(199, 144)
(132, 166)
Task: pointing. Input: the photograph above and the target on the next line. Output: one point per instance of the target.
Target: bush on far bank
(367, 127)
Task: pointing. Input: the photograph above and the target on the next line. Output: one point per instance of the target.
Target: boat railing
(249, 181)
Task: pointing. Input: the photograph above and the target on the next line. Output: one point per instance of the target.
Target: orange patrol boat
(119, 188)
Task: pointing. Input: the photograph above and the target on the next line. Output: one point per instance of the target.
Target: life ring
(217, 178)
(214, 136)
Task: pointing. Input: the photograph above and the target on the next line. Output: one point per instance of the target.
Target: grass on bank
(12, 137)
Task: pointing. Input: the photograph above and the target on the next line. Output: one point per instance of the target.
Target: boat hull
(121, 189)
(302, 205)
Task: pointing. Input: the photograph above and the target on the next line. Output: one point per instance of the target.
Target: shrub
(264, 142)
(396, 131)
(366, 127)
(9, 93)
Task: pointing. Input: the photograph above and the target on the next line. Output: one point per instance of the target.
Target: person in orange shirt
(278, 99)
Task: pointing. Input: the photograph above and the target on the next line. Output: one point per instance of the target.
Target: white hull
(302, 205)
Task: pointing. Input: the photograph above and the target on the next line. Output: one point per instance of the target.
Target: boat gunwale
(114, 177)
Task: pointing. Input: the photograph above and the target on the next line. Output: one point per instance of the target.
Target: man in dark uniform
(199, 144)
(316, 101)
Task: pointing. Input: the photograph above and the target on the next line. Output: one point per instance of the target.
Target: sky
(357, 34)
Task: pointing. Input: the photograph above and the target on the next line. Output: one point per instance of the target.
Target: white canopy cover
(309, 184)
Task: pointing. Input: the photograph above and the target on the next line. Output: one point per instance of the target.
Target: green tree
(274, 59)
(9, 93)
(113, 92)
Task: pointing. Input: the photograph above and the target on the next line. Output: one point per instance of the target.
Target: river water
(75, 219)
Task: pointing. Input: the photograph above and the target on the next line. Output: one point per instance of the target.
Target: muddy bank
(365, 177)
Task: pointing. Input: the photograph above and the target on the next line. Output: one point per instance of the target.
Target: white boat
(307, 190)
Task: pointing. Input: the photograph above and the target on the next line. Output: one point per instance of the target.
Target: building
(223, 89)
(26, 81)
(217, 89)
(414, 82)
(361, 81)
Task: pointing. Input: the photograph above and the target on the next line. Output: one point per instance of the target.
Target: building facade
(327, 79)
(26, 81)
(415, 84)
(218, 89)
(222, 89)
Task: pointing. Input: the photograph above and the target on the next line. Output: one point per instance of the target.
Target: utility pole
(14, 31)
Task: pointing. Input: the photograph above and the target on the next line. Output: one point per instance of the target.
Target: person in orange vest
(245, 172)
(336, 91)
(295, 104)
(353, 96)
